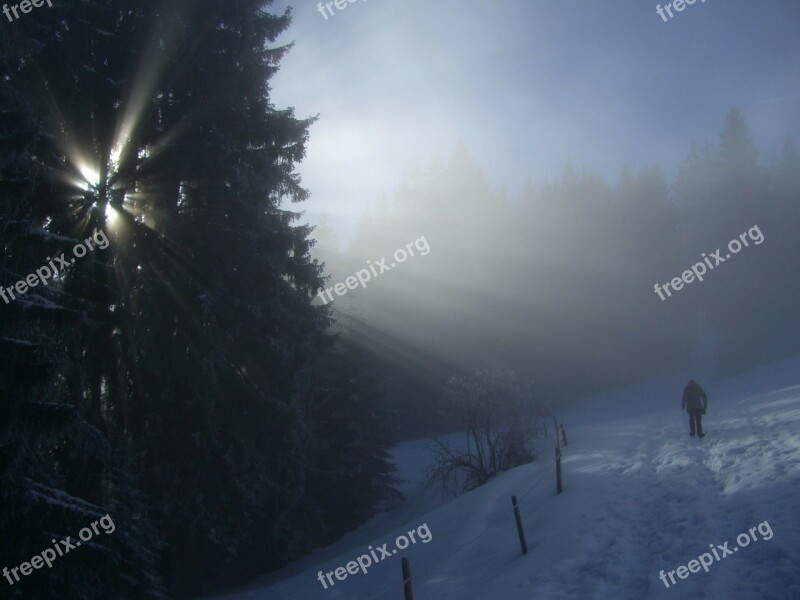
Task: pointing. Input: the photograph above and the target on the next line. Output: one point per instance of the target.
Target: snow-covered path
(640, 496)
(665, 497)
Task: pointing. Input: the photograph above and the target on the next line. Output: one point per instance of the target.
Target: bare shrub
(500, 423)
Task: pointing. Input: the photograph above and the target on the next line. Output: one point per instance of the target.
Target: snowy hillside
(640, 496)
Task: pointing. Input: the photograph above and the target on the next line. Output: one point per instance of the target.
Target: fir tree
(178, 345)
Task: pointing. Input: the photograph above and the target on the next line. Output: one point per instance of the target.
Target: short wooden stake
(558, 437)
(520, 530)
(564, 435)
(409, 595)
(559, 485)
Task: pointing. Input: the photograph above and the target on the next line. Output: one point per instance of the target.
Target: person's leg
(691, 423)
(699, 417)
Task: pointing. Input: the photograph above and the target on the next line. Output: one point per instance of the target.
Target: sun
(112, 214)
(90, 175)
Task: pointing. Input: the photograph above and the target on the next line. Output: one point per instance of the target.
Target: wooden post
(558, 437)
(564, 435)
(409, 595)
(559, 486)
(520, 531)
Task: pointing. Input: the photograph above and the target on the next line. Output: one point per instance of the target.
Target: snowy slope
(640, 496)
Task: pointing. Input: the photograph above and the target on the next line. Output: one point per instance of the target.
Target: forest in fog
(174, 370)
(559, 282)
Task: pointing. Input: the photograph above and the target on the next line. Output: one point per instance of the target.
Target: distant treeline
(559, 282)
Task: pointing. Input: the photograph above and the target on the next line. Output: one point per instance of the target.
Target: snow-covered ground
(640, 496)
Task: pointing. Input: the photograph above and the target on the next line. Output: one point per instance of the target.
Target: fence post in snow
(409, 595)
(558, 437)
(520, 530)
(564, 435)
(559, 486)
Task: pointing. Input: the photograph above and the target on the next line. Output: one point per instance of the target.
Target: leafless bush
(500, 422)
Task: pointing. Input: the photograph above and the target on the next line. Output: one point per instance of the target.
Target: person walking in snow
(695, 403)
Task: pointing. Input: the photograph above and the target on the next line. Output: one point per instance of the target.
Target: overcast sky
(528, 85)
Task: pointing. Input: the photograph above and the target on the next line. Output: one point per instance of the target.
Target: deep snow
(640, 496)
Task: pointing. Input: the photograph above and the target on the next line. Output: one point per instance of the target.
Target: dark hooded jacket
(694, 398)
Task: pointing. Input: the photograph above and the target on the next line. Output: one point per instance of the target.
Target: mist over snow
(293, 291)
(640, 496)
